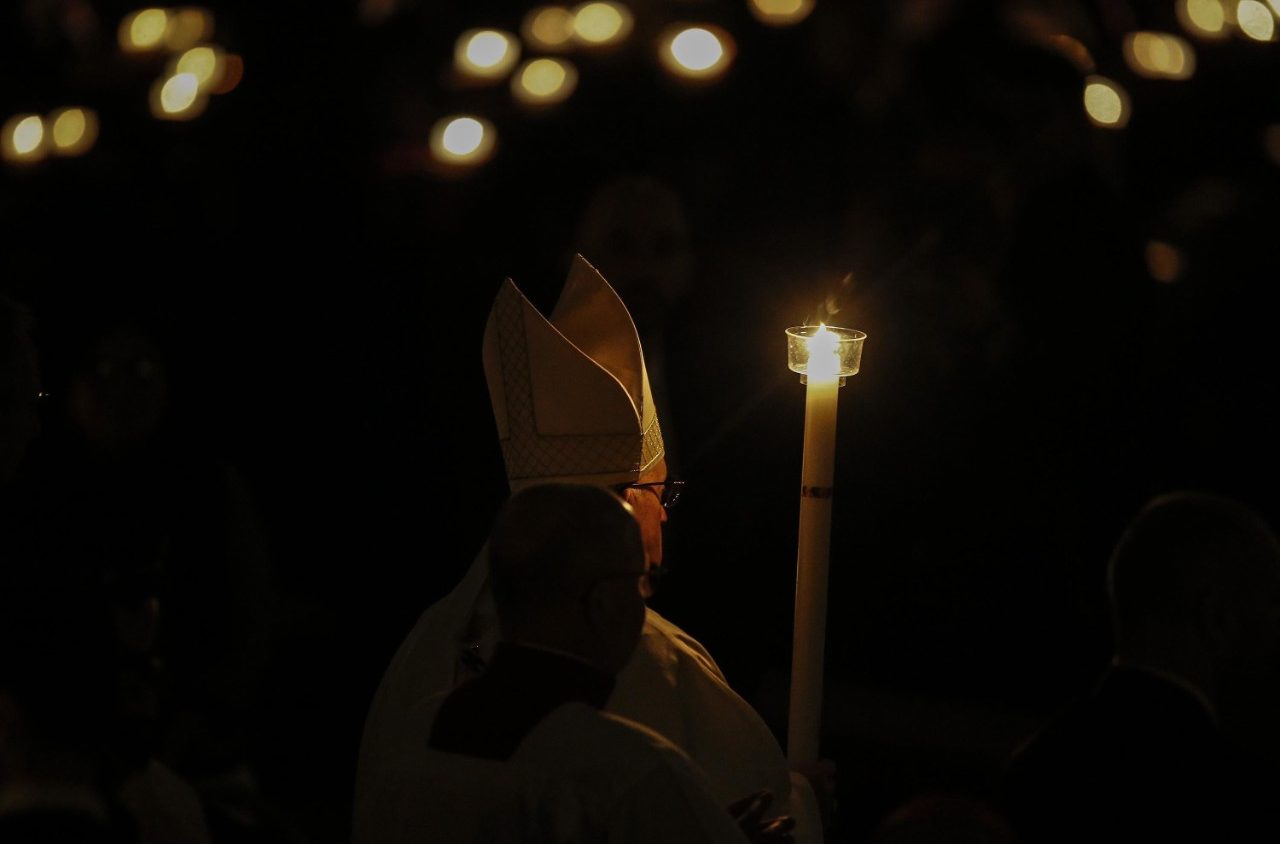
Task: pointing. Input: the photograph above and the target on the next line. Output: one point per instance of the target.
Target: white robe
(580, 777)
(671, 685)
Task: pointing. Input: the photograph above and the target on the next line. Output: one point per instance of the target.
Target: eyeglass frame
(672, 489)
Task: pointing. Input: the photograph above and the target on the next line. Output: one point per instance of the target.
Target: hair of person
(1179, 548)
(551, 540)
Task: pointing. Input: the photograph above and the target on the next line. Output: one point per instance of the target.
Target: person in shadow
(1150, 752)
(572, 401)
(527, 744)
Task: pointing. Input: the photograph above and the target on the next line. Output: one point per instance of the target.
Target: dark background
(924, 167)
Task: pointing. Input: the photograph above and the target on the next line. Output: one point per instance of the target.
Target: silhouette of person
(20, 389)
(1194, 586)
(568, 572)
(572, 402)
(175, 527)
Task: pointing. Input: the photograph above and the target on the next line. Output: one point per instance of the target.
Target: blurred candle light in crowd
(601, 23)
(462, 140)
(74, 130)
(1271, 142)
(1164, 261)
(232, 73)
(485, 53)
(177, 97)
(1073, 50)
(780, 12)
(143, 30)
(544, 81)
(1158, 55)
(1106, 102)
(1255, 20)
(374, 12)
(697, 52)
(548, 27)
(187, 28)
(23, 138)
(1204, 18)
(204, 62)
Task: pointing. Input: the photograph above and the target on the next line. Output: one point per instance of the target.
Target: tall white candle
(823, 384)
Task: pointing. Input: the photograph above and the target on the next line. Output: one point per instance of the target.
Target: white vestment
(671, 685)
(581, 776)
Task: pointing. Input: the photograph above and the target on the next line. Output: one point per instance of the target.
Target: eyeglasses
(668, 495)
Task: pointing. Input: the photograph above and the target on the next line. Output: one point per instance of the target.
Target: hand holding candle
(823, 356)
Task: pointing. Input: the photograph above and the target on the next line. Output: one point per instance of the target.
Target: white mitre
(570, 395)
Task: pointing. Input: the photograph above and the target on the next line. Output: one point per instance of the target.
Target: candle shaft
(812, 558)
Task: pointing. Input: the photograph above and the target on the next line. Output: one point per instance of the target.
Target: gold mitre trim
(570, 395)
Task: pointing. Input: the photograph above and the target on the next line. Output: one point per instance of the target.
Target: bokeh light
(232, 73)
(188, 27)
(1073, 50)
(697, 52)
(1164, 261)
(1255, 20)
(23, 138)
(780, 12)
(601, 23)
(1159, 55)
(462, 140)
(143, 30)
(205, 63)
(1203, 18)
(74, 130)
(548, 28)
(544, 81)
(1271, 142)
(177, 97)
(485, 53)
(1105, 102)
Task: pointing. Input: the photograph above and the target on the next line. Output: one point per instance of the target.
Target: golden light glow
(1158, 55)
(463, 140)
(544, 81)
(232, 73)
(1106, 102)
(1275, 6)
(187, 28)
(548, 27)
(600, 23)
(1164, 261)
(1074, 51)
(1255, 20)
(23, 138)
(74, 130)
(177, 98)
(485, 53)
(1271, 142)
(781, 12)
(205, 63)
(697, 52)
(143, 30)
(1204, 18)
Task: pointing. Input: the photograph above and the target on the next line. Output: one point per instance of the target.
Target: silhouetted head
(566, 562)
(635, 230)
(1198, 569)
(119, 391)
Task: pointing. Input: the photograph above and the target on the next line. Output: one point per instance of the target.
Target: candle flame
(824, 353)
